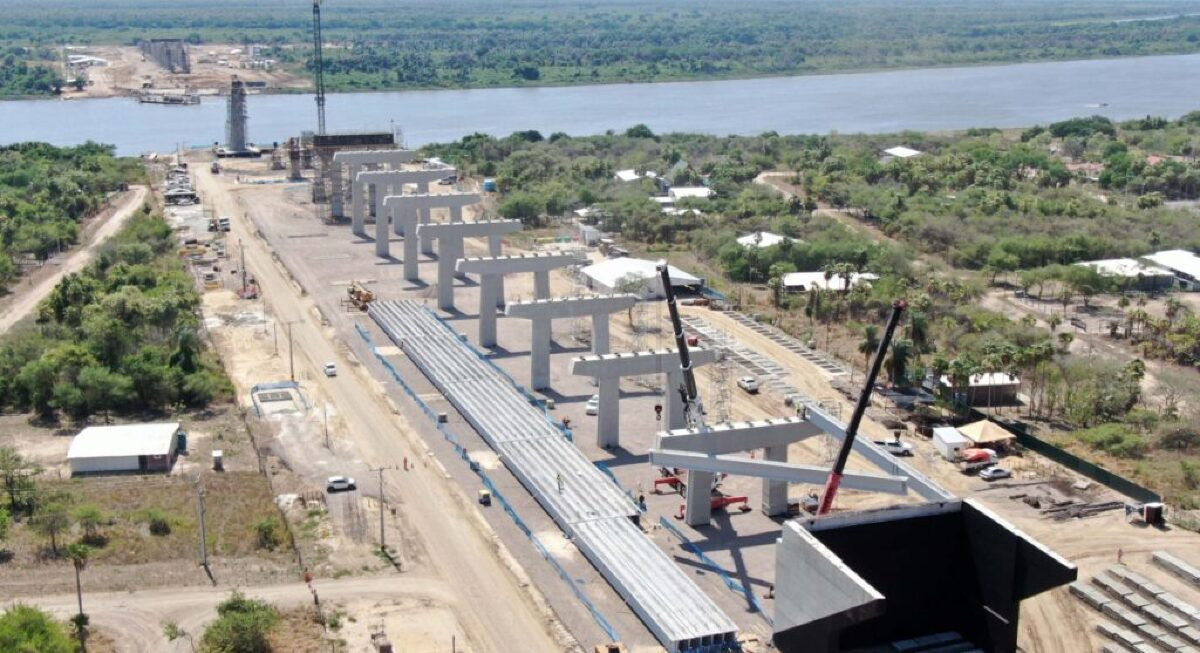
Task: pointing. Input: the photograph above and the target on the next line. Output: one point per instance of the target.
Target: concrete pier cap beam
(491, 271)
(541, 312)
(388, 182)
(608, 370)
(405, 211)
(450, 236)
(356, 160)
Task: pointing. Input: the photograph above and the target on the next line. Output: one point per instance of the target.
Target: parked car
(446, 181)
(995, 473)
(330, 369)
(896, 447)
(593, 405)
(749, 384)
(340, 484)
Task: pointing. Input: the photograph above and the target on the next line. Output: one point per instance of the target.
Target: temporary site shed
(609, 275)
(125, 448)
(986, 433)
(949, 442)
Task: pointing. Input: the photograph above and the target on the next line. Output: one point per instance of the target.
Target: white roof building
(761, 239)
(632, 175)
(1183, 263)
(608, 275)
(1125, 267)
(681, 192)
(993, 379)
(804, 281)
(124, 448)
(901, 152)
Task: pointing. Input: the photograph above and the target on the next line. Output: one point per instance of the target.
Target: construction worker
(559, 479)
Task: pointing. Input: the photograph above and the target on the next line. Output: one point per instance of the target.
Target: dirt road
(497, 609)
(26, 298)
(134, 619)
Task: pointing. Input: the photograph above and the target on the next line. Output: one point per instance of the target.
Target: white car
(896, 447)
(748, 383)
(995, 473)
(593, 405)
(340, 484)
(330, 369)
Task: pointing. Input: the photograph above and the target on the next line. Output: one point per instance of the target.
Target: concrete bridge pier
(543, 311)
(450, 240)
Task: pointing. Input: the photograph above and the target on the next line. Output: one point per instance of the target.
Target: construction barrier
(599, 618)
(736, 586)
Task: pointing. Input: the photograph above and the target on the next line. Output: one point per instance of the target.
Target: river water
(923, 99)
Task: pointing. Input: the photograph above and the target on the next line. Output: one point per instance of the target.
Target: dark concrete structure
(171, 54)
(864, 580)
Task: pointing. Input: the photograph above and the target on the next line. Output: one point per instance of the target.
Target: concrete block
(1111, 584)
(1191, 634)
(1135, 601)
(1123, 615)
(1170, 642)
(1151, 631)
(1177, 566)
(1088, 594)
(1180, 606)
(1112, 647)
(1165, 617)
(1118, 634)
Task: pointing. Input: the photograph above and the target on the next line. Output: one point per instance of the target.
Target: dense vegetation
(46, 191)
(20, 78)
(383, 44)
(119, 336)
(26, 628)
(976, 208)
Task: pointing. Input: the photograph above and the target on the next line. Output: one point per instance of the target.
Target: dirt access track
(26, 295)
(495, 603)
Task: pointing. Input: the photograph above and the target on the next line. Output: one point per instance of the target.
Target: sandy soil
(493, 603)
(25, 296)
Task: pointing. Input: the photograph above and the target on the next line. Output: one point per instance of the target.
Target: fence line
(597, 616)
(732, 584)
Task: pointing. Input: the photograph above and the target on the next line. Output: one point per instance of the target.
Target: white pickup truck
(749, 384)
(895, 447)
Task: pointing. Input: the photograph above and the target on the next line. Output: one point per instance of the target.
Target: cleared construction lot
(323, 259)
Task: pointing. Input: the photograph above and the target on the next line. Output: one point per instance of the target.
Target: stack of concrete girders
(1137, 604)
(1177, 566)
(1131, 641)
(788, 342)
(589, 508)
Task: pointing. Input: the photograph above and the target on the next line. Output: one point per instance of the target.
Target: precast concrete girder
(612, 367)
(541, 312)
(876, 455)
(491, 271)
(450, 236)
(776, 471)
(733, 437)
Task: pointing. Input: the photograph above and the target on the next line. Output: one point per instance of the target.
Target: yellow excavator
(359, 296)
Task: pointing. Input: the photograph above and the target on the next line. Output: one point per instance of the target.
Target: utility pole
(242, 247)
(325, 410)
(203, 532)
(382, 542)
(291, 356)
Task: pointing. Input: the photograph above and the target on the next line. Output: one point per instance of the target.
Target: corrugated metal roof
(123, 440)
(610, 271)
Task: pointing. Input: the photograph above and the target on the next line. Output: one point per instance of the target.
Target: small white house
(901, 152)
(683, 192)
(949, 442)
(125, 448)
(805, 281)
(761, 239)
(607, 276)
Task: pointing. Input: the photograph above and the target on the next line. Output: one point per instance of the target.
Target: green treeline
(20, 78)
(45, 192)
(385, 44)
(119, 336)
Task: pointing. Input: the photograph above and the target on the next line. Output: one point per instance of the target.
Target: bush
(266, 533)
(241, 627)
(158, 521)
(25, 628)
(1114, 439)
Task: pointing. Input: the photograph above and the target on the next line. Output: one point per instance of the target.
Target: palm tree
(776, 286)
(898, 362)
(961, 369)
(79, 554)
(869, 343)
(1064, 340)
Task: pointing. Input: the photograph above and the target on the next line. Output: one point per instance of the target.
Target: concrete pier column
(600, 333)
(540, 350)
(445, 275)
(495, 246)
(541, 284)
(408, 218)
(357, 209)
(426, 245)
(698, 506)
(487, 312)
(337, 203)
(381, 233)
(608, 421)
(775, 493)
(676, 416)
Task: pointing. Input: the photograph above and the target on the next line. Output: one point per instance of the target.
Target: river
(924, 99)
